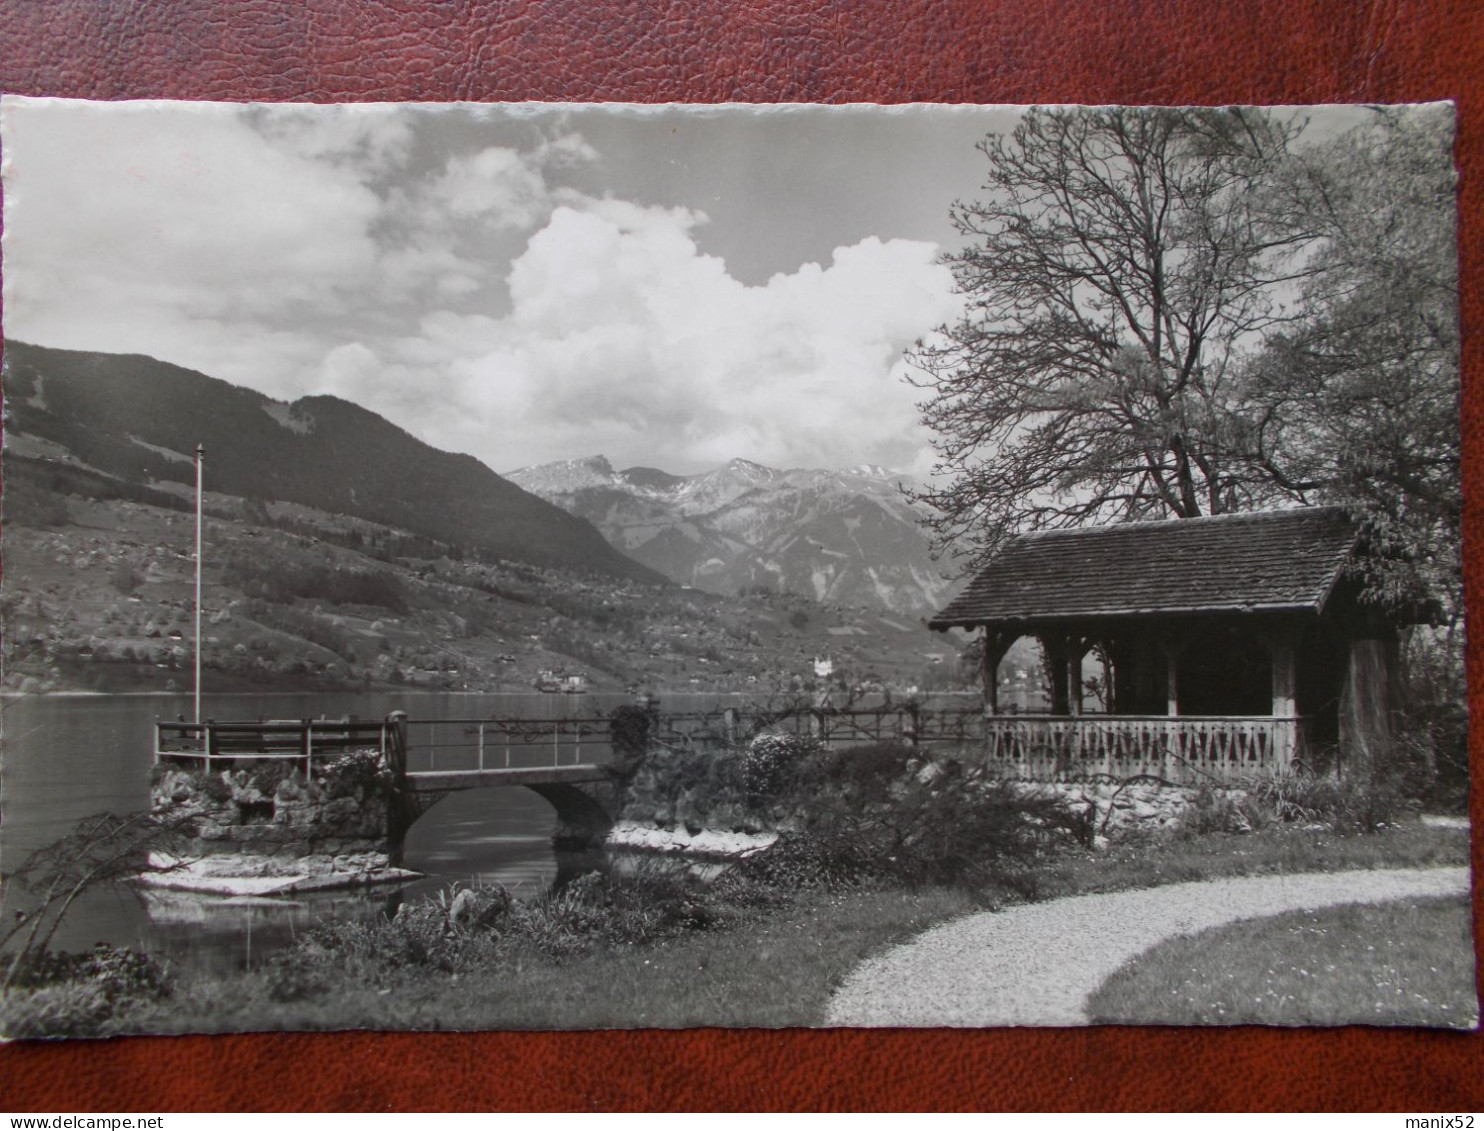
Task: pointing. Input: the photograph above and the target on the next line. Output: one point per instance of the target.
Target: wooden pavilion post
(1171, 651)
(996, 643)
(1055, 648)
(1285, 700)
(1174, 749)
(1075, 651)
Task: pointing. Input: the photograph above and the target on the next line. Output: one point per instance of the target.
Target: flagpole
(200, 459)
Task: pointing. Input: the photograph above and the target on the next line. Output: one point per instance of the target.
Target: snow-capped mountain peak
(549, 479)
(848, 536)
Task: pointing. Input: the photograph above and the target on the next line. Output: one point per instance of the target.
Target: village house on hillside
(1234, 644)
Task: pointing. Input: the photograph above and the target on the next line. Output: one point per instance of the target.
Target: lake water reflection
(66, 757)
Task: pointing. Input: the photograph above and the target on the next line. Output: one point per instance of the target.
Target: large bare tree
(1121, 269)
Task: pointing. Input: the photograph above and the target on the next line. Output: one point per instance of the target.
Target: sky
(671, 287)
(666, 286)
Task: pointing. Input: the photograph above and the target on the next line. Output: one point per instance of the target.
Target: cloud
(496, 185)
(464, 294)
(501, 186)
(368, 139)
(161, 227)
(160, 239)
(624, 338)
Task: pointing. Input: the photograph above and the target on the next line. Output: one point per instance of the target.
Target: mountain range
(340, 552)
(849, 537)
(126, 426)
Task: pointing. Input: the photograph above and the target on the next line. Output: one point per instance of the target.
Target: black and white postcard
(604, 566)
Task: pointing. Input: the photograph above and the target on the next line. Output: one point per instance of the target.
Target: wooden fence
(1028, 747)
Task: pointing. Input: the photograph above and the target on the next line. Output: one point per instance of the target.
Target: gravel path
(1037, 965)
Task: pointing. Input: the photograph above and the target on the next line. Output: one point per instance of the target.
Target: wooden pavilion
(1231, 646)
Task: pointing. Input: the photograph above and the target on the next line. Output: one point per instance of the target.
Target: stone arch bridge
(576, 765)
(585, 791)
(579, 765)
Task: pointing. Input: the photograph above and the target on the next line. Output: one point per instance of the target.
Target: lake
(69, 756)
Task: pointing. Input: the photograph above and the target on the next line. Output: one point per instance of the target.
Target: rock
(248, 795)
(355, 862)
(298, 816)
(728, 816)
(317, 865)
(341, 809)
(464, 909)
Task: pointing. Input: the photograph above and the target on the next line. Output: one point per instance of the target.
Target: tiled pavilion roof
(1256, 561)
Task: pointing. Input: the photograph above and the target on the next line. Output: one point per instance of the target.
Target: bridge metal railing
(216, 745)
(447, 745)
(496, 743)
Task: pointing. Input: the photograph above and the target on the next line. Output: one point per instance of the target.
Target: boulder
(464, 909)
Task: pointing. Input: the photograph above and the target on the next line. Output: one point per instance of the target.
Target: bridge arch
(585, 811)
(584, 818)
(586, 796)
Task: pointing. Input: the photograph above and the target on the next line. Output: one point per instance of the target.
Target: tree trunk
(1365, 708)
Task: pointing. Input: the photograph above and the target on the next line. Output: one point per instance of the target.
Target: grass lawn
(1410, 962)
(775, 972)
(771, 967)
(1278, 850)
(776, 969)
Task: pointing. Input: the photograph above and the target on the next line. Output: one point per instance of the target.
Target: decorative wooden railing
(1184, 749)
(1030, 747)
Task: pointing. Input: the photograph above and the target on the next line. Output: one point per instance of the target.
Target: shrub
(820, 858)
(885, 811)
(356, 773)
(870, 769)
(288, 978)
(1347, 805)
(1371, 805)
(467, 928)
(1432, 736)
(629, 730)
(124, 577)
(599, 909)
(772, 763)
(266, 775)
(67, 1009)
(80, 994)
(116, 971)
(1220, 811)
(1430, 756)
(1298, 798)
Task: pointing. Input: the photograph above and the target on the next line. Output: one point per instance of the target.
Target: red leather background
(1207, 51)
